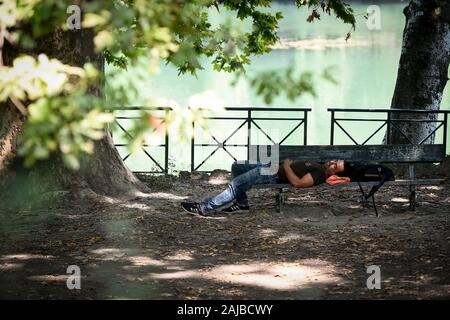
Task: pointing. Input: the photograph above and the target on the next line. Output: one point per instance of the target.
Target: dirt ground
(319, 247)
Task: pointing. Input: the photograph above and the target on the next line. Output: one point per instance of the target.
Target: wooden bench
(407, 154)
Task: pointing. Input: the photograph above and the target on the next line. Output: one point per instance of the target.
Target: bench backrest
(403, 153)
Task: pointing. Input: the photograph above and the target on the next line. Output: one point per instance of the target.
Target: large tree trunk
(102, 173)
(423, 68)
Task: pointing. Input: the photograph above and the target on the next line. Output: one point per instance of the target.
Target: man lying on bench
(245, 175)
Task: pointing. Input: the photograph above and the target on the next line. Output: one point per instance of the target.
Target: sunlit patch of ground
(272, 276)
(10, 266)
(319, 247)
(276, 276)
(25, 256)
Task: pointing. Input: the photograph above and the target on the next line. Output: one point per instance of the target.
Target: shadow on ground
(318, 248)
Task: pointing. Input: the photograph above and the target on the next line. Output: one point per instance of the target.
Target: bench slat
(418, 182)
(376, 153)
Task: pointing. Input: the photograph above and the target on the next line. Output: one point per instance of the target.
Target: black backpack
(366, 172)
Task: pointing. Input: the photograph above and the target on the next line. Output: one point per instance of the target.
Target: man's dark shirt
(350, 170)
(301, 168)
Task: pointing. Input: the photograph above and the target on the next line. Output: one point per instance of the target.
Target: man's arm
(304, 182)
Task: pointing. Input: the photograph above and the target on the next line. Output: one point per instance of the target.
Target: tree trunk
(423, 69)
(102, 173)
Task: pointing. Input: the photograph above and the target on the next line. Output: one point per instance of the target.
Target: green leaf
(71, 161)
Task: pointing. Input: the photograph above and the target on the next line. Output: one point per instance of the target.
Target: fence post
(305, 129)
(445, 133)
(249, 136)
(166, 143)
(332, 128)
(388, 133)
(193, 146)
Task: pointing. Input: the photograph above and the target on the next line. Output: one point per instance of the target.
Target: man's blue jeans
(245, 175)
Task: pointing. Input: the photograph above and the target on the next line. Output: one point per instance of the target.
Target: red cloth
(332, 180)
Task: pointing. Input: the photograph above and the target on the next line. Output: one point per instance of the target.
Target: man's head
(333, 167)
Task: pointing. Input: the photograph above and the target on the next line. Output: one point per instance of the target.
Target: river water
(365, 67)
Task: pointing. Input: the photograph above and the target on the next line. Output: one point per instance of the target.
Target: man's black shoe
(192, 207)
(234, 208)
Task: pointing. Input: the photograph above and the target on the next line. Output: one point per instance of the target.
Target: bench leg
(365, 200)
(279, 200)
(412, 189)
(375, 206)
(412, 198)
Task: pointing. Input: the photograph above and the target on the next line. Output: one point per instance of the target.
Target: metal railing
(390, 121)
(161, 167)
(250, 121)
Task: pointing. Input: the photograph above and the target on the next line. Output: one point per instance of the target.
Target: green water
(366, 68)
